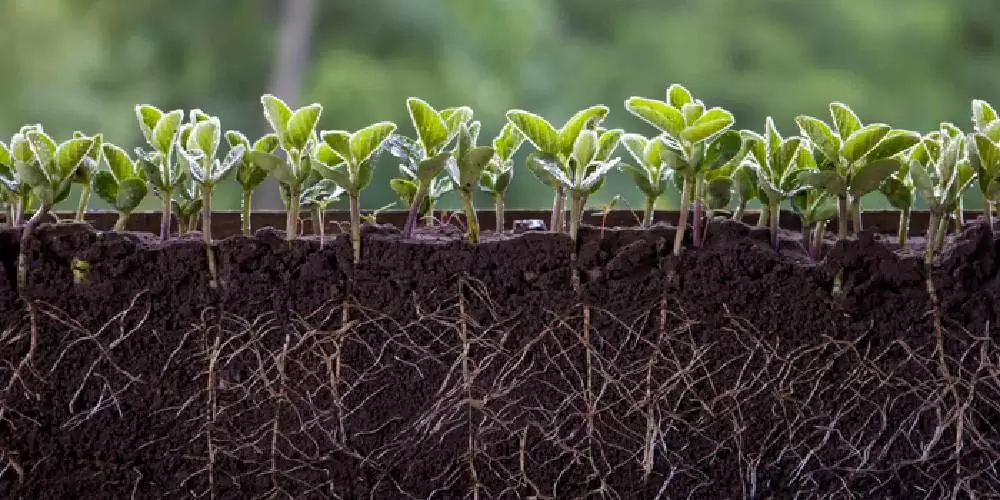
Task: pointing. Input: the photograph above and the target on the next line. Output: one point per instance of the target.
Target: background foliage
(84, 64)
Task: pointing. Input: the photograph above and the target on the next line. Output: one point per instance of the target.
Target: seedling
(745, 186)
(123, 185)
(48, 170)
(815, 207)
(590, 162)
(898, 191)
(296, 133)
(606, 209)
(187, 206)
(853, 161)
(249, 175)
(348, 159)
(554, 145)
(651, 175)
(407, 186)
(500, 171)
(697, 143)
(85, 173)
(941, 175)
(778, 169)
(199, 151)
(420, 185)
(984, 154)
(321, 195)
(162, 170)
(466, 169)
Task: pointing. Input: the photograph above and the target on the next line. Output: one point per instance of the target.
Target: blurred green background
(83, 64)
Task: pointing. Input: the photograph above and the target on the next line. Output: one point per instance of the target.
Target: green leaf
(585, 148)
(70, 153)
(825, 180)
(640, 176)
(277, 113)
(984, 155)
(455, 117)
(692, 111)
(5, 157)
(819, 133)
(745, 181)
(118, 161)
(982, 114)
(823, 208)
(106, 188)
(366, 171)
(339, 141)
(636, 146)
(131, 192)
(864, 140)
(712, 122)
(31, 174)
(473, 164)
(274, 165)
(592, 182)
(268, 143)
(432, 130)
(872, 175)
(431, 167)
(718, 193)
(165, 132)
(42, 147)
(508, 141)
(404, 189)
(895, 142)
(678, 96)
(610, 139)
(302, 124)
(205, 136)
(723, 149)
(365, 142)
(844, 119)
(536, 130)
(148, 116)
(923, 184)
(548, 168)
(899, 195)
(659, 114)
(232, 159)
(583, 119)
(337, 175)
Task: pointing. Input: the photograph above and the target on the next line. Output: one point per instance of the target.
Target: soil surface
(519, 368)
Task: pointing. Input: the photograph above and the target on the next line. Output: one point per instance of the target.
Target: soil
(518, 368)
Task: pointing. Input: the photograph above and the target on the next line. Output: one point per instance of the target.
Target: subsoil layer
(519, 368)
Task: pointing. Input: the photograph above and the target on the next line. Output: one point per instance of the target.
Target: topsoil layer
(514, 369)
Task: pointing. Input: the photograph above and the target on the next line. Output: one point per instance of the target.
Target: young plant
(651, 175)
(296, 133)
(500, 171)
(745, 186)
(48, 170)
(407, 186)
(85, 172)
(163, 172)
(249, 175)
(466, 168)
(589, 163)
(123, 185)
(815, 208)
(984, 154)
(697, 144)
(554, 145)
(348, 159)
(853, 161)
(898, 191)
(187, 203)
(426, 157)
(199, 151)
(778, 169)
(421, 184)
(320, 196)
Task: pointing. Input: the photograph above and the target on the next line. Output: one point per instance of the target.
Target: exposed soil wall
(731, 372)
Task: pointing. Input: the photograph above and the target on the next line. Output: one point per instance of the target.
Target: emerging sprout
(348, 159)
(651, 174)
(589, 162)
(249, 175)
(407, 186)
(187, 202)
(697, 143)
(551, 144)
(321, 195)
(778, 168)
(465, 169)
(296, 133)
(984, 154)
(898, 190)
(123, 185)
(745, 186)
(85, 172)
(162, 171)
(855, 160)
(201, 144)
(500, 171)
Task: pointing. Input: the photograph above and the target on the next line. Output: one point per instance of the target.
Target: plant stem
(471, 218)
(930, 237)
(356, 225)
(764, 217)
(292, 221)
(192, 223)
(167, 212)
(81, 208)
(988, 212)
(942, 230)
(856, 215)
(182, 224)
(411, 216)
(22, 202)
(816, 248)
(842, 216)
(775, 215)
(22, 257)
(740, 210)
(682, 220)
(806, 237)
(557, 211)
(501, 221)
(576, 213)
(206, 233)
(699, 186)
(245, 212)
(904, 226)
(321, 218)
(122, 221)
(647, 216)
(317, 219)
(959, 216)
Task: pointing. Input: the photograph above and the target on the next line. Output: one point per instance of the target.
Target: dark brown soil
(490, 372)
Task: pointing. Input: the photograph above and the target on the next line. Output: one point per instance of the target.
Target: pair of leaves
(294, 129)
(984, 157)
(123, 186)
(651, 174)
(775, 160)
(250, 175)
(354, 151)
(814, 205)
(469, 161)
(322, 194)
(546, 138)
(681, 116)
(436, 129)
(939, 173)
